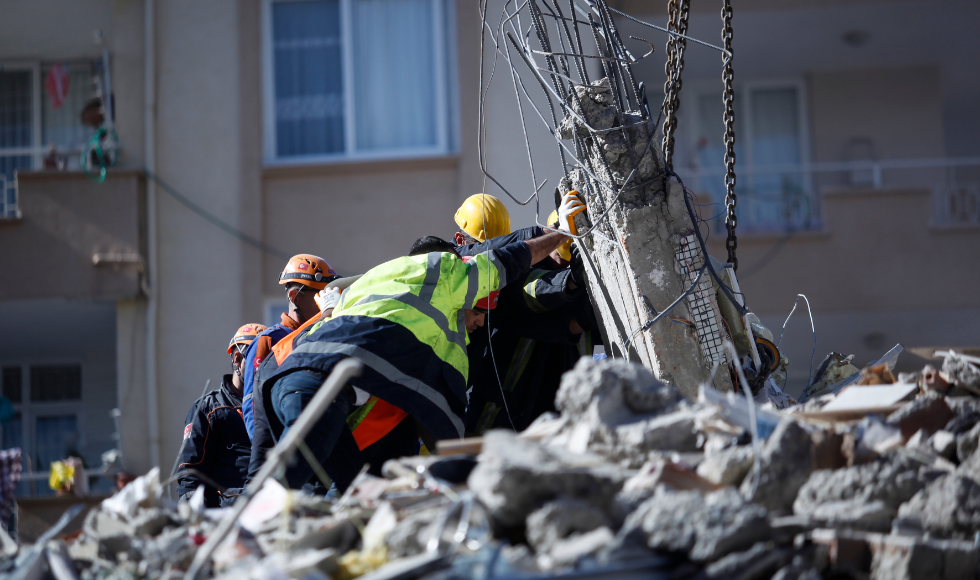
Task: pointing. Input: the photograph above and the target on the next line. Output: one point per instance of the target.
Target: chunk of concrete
(759, 561)
(855, 514)
(151, 522)
(577, 547)
(961, 372)
(905, 558)
(560, 519)
(827, 450)
(727, 467)
(944, 443)
(929, 412)
(892, 480)
(609, 392)
(967, 442)
(706, 527)
(948, 507)
(516, 477)
(668, 432)
(787, 461)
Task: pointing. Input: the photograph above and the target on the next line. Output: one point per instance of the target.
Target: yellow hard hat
(564, 250)
(483, 216)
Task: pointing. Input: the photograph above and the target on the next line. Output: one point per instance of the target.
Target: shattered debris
(631, 476)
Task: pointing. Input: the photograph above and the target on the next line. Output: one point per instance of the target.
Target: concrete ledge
(358, 167)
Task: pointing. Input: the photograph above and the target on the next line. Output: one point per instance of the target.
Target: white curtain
(394, 74)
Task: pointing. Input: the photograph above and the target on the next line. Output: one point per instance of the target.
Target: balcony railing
(14, 159)
(779, 198)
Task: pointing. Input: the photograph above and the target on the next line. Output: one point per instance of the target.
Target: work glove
(570, 207)
(327, 298)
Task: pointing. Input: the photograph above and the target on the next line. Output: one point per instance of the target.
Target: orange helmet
(245, 335)
(308, 270)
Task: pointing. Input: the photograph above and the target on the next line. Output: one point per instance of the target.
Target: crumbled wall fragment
(704, 526)
(787, 460)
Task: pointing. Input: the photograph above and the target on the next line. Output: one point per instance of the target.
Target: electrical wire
(753, 422)
(812, 327)
(215, 220)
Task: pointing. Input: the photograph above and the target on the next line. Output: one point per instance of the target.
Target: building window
(56, 383)
(356, 79)
(41, 106)
(773, 187)
(13, 382)
(47, 423)
(56, 437)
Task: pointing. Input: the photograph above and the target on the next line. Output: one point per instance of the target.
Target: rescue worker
(303, 272)
(304, 276)
(215, 441)
(483, 217)
(407, 321)
(544, 324)
(531, 339)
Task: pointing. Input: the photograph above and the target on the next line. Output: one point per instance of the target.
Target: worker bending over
(215, 441)
(303, 277)
(407, 321)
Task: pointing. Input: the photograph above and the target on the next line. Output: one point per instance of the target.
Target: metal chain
(677, 16)
(731, 220)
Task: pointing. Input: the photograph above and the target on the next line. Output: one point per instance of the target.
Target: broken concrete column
(644, 255)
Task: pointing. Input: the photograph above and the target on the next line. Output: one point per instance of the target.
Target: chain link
(677, 15)
(731, 220)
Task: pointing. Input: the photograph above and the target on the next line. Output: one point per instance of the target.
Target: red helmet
(308, 270)
(488, 303)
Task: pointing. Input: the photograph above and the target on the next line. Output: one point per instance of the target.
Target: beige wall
(67, 220)
(899, 109)
(367, 213)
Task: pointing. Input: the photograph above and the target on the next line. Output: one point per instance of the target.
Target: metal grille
(703, 314)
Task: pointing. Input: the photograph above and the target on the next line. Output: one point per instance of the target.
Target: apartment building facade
(348, 128)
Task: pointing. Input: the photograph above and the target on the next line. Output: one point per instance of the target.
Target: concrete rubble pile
(631, 479)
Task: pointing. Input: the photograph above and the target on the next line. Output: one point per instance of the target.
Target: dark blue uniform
(531, 344)
(216, 444)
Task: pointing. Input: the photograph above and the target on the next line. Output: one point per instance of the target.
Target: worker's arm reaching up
(571, 206)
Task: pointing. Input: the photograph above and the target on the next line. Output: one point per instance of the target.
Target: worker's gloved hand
(570, 207)
(327, 298)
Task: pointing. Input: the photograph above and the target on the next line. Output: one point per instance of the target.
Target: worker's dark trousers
(330, 440)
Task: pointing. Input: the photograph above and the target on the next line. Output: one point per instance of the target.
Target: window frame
(30, 410)
(445, 91)
(743, 108)
(37, 106)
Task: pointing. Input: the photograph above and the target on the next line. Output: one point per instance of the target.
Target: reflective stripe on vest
(427, 295)
(373, 420)
(388, 371)
(531, 291)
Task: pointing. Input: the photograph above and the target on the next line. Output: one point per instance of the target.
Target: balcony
(776, 199)
(72, 238)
